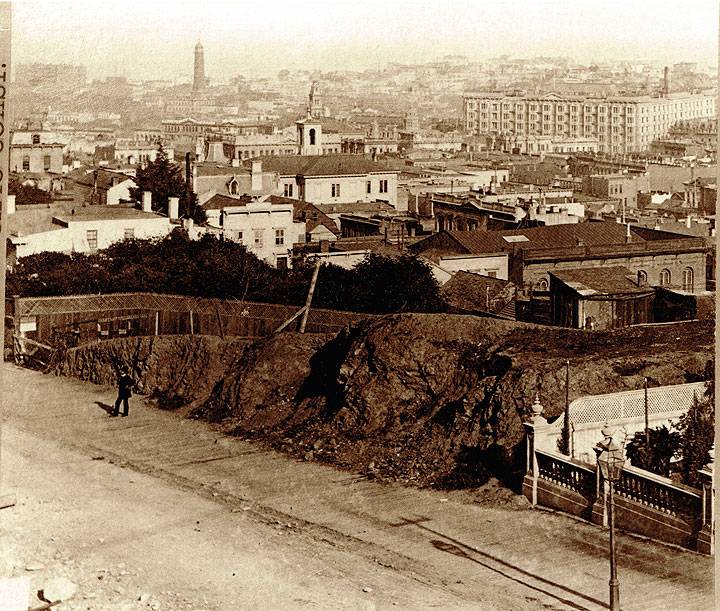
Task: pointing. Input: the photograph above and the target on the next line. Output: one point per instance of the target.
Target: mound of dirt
(439, 399)
(433, 400)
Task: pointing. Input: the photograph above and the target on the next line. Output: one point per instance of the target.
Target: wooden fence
(78, 319)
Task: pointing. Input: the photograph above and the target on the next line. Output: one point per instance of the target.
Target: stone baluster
(706, 537)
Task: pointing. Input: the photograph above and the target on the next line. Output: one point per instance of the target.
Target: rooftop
(549, 237)
(322, 165)
(600, 281)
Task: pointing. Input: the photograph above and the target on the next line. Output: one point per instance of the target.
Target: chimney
(10, 204)
(235, 162)
(628, 235)
(147, 201)
(173, 208)
(256, 176)
(666, 81)
(688, 222)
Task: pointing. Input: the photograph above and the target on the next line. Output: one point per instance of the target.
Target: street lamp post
(610, 460)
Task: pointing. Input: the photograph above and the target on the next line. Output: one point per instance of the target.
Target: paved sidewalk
(480, 555)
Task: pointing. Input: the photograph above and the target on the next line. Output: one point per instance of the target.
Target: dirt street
(157, 512)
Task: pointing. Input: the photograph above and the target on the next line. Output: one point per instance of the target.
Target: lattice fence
(631, 404)
(77, 319)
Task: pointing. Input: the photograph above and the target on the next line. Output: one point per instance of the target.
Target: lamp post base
(614, 595)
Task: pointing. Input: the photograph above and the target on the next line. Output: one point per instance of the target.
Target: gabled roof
(219, 201)
(312, 216)
(105, 178)
(321, 165)
(600, 281)
(219, 169)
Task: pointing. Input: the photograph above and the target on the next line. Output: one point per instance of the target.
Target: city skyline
(156, 42)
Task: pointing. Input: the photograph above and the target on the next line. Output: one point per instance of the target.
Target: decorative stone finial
(537, 410)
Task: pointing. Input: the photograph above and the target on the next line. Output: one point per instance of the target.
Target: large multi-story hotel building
(620, 124)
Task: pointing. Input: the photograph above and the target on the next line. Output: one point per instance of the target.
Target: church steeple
(315, 108)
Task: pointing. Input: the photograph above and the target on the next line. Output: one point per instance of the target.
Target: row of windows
(688, 279)
(91, 235)
(26, 162)
(258, 237)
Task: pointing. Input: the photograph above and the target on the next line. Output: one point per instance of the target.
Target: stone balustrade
(646, 503)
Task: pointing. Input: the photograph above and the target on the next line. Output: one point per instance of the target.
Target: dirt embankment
(433, 400)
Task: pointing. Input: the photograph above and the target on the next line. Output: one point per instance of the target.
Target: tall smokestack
(666, 80)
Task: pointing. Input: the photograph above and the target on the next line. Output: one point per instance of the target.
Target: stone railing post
(706, 537)
(533, 426)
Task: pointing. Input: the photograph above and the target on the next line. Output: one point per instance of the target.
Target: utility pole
(566, 432)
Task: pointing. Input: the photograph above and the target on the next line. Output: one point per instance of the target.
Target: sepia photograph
(333, 305)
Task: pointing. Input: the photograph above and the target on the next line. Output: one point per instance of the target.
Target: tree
(164, 178)
(664, 444)
(394, 284)
(697, 435)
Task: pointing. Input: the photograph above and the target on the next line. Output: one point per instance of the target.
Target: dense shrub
(212, 267)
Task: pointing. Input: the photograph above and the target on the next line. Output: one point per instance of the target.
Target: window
(542, 285)
(36, 138)
(279, 237)
(258, 237)
(383, 186)
(368, 187)
(665, 277)
(129, 233)
(282, 263)
(642, 278)
(335, 189)
(312, 136)
(91, 235)
(288, 190)
(26, 163)
(46, 162)
(688, 279)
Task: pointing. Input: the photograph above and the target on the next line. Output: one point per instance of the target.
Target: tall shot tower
(199, 72)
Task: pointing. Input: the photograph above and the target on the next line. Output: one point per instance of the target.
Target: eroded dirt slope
(429, 399)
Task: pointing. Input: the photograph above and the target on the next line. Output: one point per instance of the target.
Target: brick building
(655, 258)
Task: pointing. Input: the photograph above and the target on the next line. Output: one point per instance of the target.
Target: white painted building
(333, 179)
(84, 230)
(264, 226)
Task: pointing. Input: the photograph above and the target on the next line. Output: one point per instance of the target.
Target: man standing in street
(125, 384)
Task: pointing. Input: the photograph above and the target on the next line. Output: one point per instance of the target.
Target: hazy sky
(155, 39)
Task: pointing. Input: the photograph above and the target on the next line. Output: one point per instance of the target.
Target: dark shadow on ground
(105, 407)
(497, 565)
